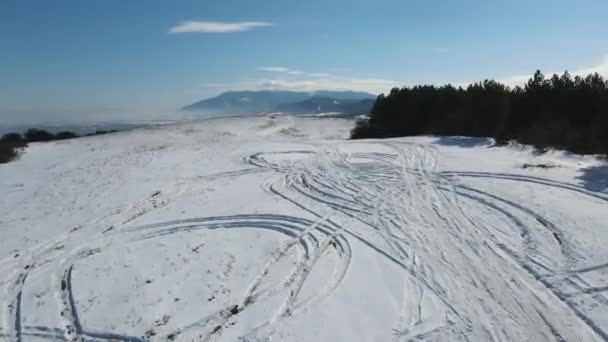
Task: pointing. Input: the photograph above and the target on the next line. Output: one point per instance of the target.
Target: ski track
(414, 215)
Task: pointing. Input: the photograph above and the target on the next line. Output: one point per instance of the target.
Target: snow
(279, 229)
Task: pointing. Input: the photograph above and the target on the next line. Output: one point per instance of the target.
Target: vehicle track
(501, 273)
(313, 237)
(418, 213)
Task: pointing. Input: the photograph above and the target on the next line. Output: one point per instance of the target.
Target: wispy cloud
(305, 83)
(285, 78)
(216, 26)
(319, 74)
(371, 85)
(273, 69)
(293, 72)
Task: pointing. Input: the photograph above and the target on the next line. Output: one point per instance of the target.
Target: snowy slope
(277, 229)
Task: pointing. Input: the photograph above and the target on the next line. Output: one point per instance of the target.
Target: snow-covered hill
(276, 228)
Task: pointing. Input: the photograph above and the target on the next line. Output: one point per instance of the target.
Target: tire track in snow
(214, 324)
(321, 196)
(302, 232)
(528, 179)
(14, 314)
(431, 201)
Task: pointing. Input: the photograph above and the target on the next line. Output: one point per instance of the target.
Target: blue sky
(95, 60)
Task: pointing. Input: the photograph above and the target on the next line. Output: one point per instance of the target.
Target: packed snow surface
(277, 228)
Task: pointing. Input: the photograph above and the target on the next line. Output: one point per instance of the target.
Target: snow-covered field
(279, 229)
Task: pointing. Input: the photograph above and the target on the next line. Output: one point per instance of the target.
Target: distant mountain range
(287, 102)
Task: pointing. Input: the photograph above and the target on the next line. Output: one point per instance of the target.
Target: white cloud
(375, 86)
(286, 78)
(273, 69)
(288, 71)
(294, 72)
(515, 80)
(600, 68)
(371, 85)
(216, 27)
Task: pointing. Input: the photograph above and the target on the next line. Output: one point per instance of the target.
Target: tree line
(562, 111)
(12, 143)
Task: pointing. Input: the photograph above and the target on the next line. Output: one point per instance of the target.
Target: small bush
(12, 138)
(361, 130)
(36, 135)
(500, 141)
(65, 135)
(100, 132)
(9, 150)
